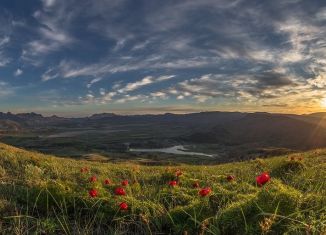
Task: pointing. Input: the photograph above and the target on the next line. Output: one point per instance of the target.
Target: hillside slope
(267, 130)
(48, 195)
(229, 135)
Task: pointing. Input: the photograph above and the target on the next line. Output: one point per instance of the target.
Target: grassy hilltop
(41, 194)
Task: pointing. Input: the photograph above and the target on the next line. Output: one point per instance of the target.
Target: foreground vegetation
(41, 194)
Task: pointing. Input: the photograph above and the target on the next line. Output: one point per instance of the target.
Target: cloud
(272, 79)
(144, 82)
(49, 75)
(48, 3)
(133, 86)
(93, 81)
(159, 94)
(120, 94)
(3, 41)
(18, 72)
(6, 90)
(259, 54)
(4, 60)
(129, 98)
(318, 82)
(52, 31)
(73, 69)
(235, 88)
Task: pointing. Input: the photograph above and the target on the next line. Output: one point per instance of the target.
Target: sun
(323, 103)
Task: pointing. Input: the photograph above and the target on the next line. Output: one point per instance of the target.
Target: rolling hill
(43, 194)
(232, 136)
(267, 130)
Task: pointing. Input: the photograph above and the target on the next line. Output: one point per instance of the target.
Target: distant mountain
(230, 135)
(102, 115)
(314, 118)
(11, 126)
(267, 130)
(227, 128)
(317, 115)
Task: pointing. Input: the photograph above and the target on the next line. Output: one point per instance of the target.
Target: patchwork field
(43, 194)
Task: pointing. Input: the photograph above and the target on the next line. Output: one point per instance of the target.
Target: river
(178, 149)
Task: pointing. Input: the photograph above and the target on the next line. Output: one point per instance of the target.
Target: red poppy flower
(84, 169)
(124, 183)
(173, 183)
(263, 178)
(178, 173)
(230, 178)
(93, 193)
(107, 181)
(92, 179)
(195, 185)
(120, 191)
(205, 191)
(123, 206)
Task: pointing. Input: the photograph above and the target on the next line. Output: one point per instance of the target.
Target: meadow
(43, 194)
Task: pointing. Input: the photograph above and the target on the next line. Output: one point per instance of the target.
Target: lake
(178, 149)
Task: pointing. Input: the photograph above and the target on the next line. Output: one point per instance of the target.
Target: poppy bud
(120, 191)
(195, 185)
(84, 169)
(107, 181)
(93, 193)
(123, 206)
(173, 183)
(124, 183)
(263, 178)
(230, 178)
(92, 179)
(205, 191)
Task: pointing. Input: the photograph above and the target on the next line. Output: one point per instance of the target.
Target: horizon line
(44, 114)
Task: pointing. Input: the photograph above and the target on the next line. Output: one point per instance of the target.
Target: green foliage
(42, 194)
(279, 198)
(238, 217)
(289, 168)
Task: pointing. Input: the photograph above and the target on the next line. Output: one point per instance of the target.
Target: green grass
(42, 194)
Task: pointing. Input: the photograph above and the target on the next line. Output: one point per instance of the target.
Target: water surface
(178, 149)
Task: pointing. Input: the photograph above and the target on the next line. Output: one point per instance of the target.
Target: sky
(78, 57)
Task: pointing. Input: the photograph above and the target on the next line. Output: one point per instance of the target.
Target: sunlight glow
(323, 103)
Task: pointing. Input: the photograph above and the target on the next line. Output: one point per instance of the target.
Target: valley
(229, 136)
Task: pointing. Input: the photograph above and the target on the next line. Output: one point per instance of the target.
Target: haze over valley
(226, 136)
